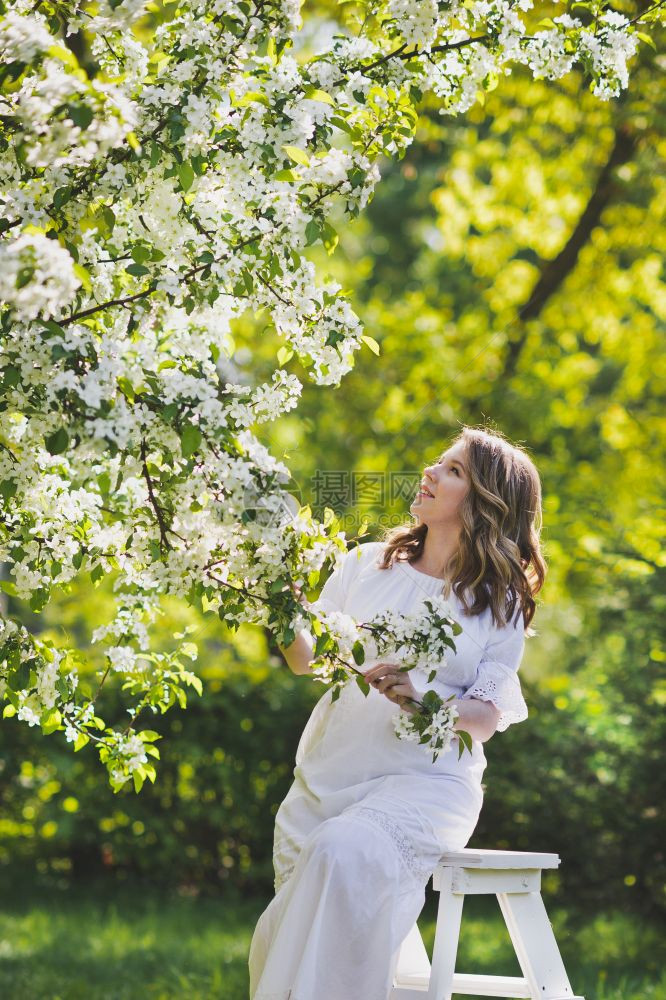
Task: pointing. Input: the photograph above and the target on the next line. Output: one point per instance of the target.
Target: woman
(368, 815)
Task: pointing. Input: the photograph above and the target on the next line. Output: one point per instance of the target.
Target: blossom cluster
(160, 180)
(417, 639)
(433, 727)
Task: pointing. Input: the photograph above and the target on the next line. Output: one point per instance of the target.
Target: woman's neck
(438, 549)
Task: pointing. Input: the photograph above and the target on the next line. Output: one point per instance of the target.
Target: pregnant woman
(368, 815)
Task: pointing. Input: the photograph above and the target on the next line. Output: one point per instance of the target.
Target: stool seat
(471, 858)
(515, 878)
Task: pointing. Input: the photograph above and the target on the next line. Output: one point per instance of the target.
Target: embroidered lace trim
(408, 856)
(282, 877)
(499, 684)
(411, 861)
(283, 874)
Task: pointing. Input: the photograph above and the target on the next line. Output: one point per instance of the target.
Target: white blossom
(36, 276)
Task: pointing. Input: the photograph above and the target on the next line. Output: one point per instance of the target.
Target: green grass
(124, 943)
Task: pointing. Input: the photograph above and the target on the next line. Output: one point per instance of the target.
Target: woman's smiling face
(444, 486)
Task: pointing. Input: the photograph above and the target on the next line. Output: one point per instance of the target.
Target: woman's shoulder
(364, 554)
(355, 560)
(486, 619)
(365, 550)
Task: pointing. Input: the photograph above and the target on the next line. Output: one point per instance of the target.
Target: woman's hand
(396, 684)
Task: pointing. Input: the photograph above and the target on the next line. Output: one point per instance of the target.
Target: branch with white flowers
(152, 193)
(418, 640)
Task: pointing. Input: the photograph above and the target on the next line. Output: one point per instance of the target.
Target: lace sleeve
(496, 677)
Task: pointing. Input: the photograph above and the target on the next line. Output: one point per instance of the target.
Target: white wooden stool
(515, 878)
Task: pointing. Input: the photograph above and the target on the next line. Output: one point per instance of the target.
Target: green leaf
(7, 489)
(322, 644)
(329, 237)
(288, 636)
(371, 343)
(109, 218)
(11, 376)
(126, 388)
(81, 115)
(57, 443)
(464, 742)
(83, 276)
(253, 97)
(61, 197)
(81, 741)
(364, 686)
(297, 155)
(312, 94)
(149, 735)
(190, 440)
(358, 652)
(20, 679)
(195, 682)
(50, 721)
(284, 354)
(312, 232)
(286, 175)
(137, 270)
(186, 175)
(140, 253)
(646, 39)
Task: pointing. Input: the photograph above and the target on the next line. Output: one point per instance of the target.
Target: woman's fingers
(390, 681)
(381, 670)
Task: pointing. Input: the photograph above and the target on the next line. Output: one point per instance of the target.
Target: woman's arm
(332, 598)
(476, 717)
(299, 654)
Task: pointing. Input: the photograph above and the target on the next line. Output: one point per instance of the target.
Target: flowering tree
(155, 187)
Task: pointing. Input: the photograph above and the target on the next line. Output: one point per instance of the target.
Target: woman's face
(444, 486)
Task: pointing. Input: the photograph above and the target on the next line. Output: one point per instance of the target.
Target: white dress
(368, 815)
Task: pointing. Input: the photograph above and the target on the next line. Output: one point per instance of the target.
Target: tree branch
(164, 529)
(414, 54)
(556, 271)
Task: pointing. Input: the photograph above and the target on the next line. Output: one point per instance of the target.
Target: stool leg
(447, 933)
(535, 945)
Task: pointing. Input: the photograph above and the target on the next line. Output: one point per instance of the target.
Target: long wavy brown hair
(499, 559)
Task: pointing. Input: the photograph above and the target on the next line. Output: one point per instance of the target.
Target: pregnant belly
(353, 740)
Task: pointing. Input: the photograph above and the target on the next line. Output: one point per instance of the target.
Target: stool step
(470, 985)
(413, 986)
(471, 858)
(497, 986)
(491, 986)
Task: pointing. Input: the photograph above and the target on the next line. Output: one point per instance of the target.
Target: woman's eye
(455, 469)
